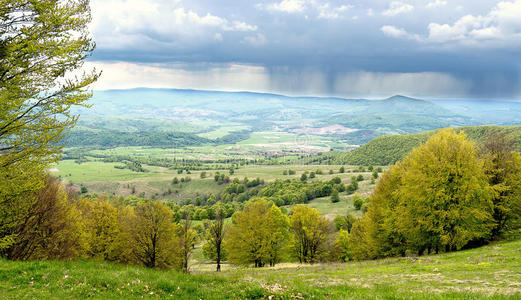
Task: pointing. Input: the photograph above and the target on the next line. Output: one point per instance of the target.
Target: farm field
(222, 131)
(257, 146)
(489, 272)
(102, 178)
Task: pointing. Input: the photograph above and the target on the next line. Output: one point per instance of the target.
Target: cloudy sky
(351, 48)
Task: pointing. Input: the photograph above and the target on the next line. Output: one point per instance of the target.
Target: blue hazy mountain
(197, 111)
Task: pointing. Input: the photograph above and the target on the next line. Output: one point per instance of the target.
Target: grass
(102, 280)
(329, 210)
(488, 272)
(222, 131)
(491, 272)
(98, 171)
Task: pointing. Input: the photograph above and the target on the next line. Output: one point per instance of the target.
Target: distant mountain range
(196, 111)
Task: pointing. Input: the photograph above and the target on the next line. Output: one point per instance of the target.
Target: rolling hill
(387, 150)
(198, 112)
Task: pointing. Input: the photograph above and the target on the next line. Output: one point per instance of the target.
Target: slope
(387, 150)
(487, 272)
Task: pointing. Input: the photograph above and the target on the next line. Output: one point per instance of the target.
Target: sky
(347, 48)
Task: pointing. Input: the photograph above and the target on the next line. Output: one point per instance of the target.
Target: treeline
(113, 138)
(133, 166)
(233, 137)
(446, 195)
(261, 234)
(181, 164)
(59, 225)
(279, 192)
(287, 192)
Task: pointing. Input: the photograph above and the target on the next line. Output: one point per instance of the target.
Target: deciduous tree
(214, 248)
(503, 170)
(310, 231)
(258, 234)
(40, 42)
(153, 237)
(52, 227)
(445, 199)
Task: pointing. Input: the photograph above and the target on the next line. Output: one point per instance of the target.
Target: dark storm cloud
(474, 43)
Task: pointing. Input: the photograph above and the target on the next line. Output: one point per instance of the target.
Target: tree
(102, 226)
(153, 237)
(342, 170)
(40, 43)
(375, 234)
(258, 234)
(52, 227)
(437, 199)
(503, 169)
(187, 238)
(213, 249)
(344, 222)
(310, 231)
(342, 246)
(445, 199)
(334, 196)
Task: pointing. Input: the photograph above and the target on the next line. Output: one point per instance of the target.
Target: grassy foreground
(492, 272)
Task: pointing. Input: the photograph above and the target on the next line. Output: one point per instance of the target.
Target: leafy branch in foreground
(41, 43)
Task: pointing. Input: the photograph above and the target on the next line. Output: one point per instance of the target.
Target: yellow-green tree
(214, 247)
(257, 234)
(153, 236)
(310, 233)
(102, 227)
(375, 234)
(503, 169)
(444, 196)
(40, 42)
(342, 246)
(52, 227)
(187, 238)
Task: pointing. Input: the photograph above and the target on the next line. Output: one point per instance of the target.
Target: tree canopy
(41, 43)
(438, 198)
(257, 234)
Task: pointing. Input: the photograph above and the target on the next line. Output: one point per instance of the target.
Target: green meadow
(489, 272)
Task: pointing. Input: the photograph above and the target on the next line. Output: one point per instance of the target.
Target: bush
(358, 201)
(334, 196)
(303, 177)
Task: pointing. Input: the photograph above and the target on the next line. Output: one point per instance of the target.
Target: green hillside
(488, 272)
(389, 149)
